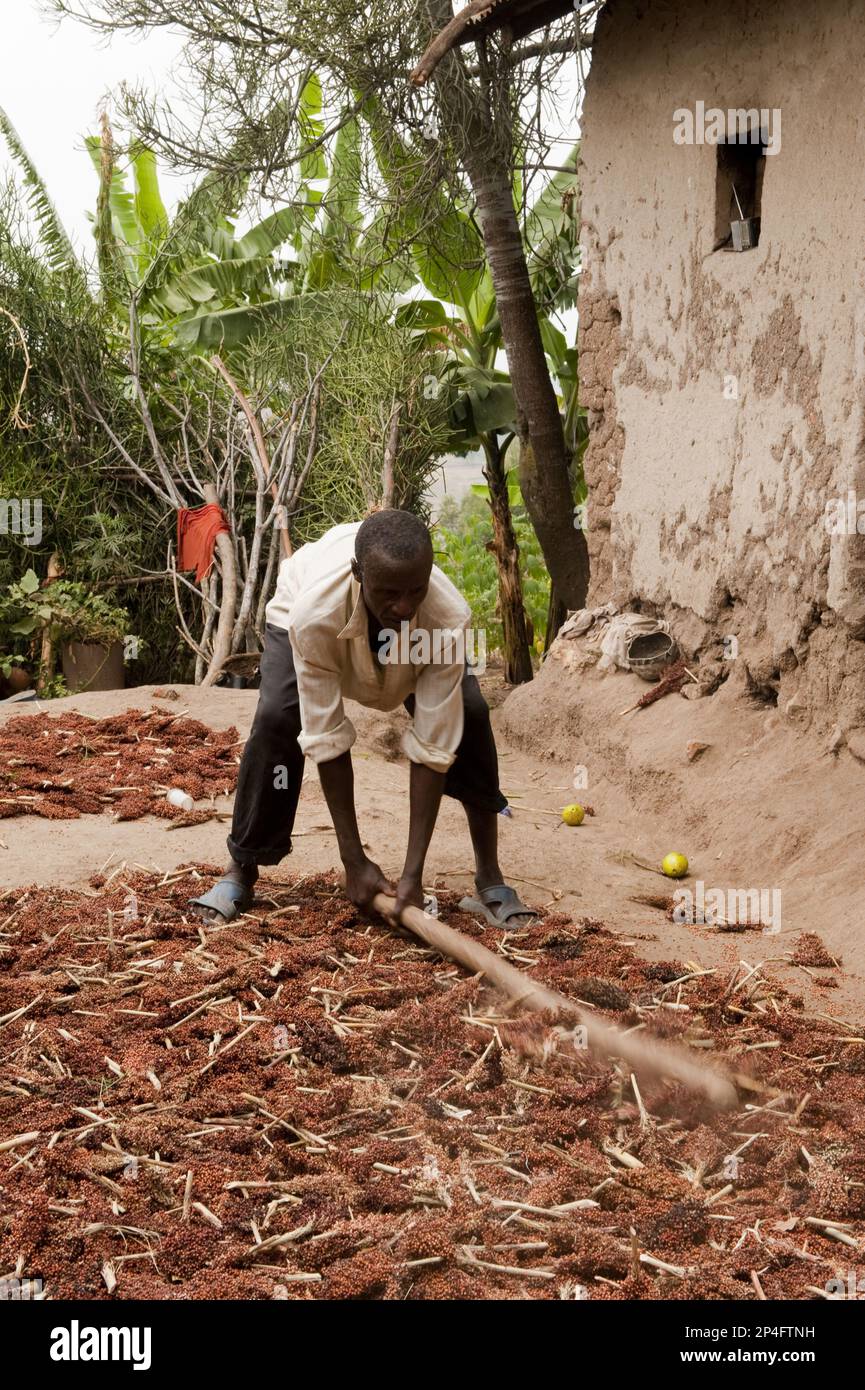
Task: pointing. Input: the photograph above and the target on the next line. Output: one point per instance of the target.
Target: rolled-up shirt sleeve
(437, 727)
(326, 732)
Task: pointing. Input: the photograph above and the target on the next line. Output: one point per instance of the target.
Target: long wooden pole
(645, 1055)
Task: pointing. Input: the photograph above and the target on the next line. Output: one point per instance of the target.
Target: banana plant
(481, 402)
(189, 271)
(194, 280)
(182, 271)
(449, 258)
(461, 325)
(59, 250)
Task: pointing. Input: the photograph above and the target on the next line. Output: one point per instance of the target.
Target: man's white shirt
(319, 603)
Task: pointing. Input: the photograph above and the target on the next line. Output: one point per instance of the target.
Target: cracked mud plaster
(600, 353)
(730, 538)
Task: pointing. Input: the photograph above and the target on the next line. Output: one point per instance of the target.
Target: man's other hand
(363, 880)
(409, 893)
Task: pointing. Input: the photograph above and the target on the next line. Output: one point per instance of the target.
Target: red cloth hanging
(196, 536)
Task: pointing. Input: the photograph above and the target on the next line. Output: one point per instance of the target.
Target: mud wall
(726, 391)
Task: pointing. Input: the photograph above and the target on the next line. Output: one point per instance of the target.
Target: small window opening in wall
(738, 190)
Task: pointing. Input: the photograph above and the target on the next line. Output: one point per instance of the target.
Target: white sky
(54, 81)
(56, 78)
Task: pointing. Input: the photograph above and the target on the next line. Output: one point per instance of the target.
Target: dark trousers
(271, 770)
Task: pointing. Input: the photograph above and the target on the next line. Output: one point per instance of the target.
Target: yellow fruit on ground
(674, 865)
(573, 815)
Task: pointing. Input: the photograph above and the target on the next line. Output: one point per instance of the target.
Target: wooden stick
(48, 653)
(258, 438)
(228, 601)
(390, 448)
(15, 414)
(18, 1140)
(643, 1054)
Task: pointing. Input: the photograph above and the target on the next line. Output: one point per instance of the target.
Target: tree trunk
(556, 614)
(47, 654)
(479, 125)
(544, 470)
(569, 538)
(518, 662)
(390, 450)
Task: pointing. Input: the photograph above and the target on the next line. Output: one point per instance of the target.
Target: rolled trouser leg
(271, 769)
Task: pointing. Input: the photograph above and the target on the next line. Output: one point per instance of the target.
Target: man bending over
(339, 604)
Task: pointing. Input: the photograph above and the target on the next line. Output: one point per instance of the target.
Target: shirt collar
(357, 623)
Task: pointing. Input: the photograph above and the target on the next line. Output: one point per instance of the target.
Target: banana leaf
(313, 165)
(342, 214)
(120, 200)
(59, 249)
(232, 328)
(277, 229)
(225, 281)
(149, 207)
(446, 249)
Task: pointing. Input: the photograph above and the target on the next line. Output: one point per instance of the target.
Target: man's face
(393, 590)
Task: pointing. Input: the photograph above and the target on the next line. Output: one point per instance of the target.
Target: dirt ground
(327, 1109)
(762, 807)
(306, 1105)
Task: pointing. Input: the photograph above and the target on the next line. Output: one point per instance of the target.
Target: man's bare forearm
(426, 787)
(363, 878)
(337, 783)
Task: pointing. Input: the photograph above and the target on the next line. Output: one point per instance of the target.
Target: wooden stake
(645, 1055)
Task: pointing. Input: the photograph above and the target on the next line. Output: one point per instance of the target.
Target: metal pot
(91, 666)
(650, 654)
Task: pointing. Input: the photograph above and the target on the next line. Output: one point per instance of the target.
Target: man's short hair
(395, 534)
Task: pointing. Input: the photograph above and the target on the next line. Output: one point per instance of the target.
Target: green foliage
(70, 611)
(316, 277)
(460, 537)
(58, 247)
(67, 611)
(198, 288)
(512, 483)
(53, 689)
(374, 364)
(101, 522)
(444, 241)
(8, 661)
(552, 238)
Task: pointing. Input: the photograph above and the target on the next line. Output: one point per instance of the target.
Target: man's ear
(355, 569)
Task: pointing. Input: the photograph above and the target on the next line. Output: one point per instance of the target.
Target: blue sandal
(227, 897)
(498, 904)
